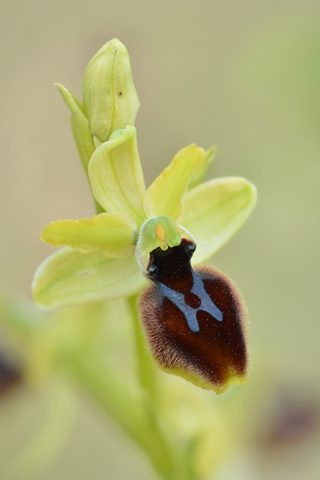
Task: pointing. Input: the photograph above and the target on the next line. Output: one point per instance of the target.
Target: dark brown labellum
(194, 320)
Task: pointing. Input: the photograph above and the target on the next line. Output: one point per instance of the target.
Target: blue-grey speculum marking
(190, 313)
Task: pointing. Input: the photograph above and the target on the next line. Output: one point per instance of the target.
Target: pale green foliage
(69, 277)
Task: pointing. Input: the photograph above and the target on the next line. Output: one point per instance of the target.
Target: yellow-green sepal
(116, 175)
(79, 125)
(164, 196)
(113, 234)
(201, 170)
(215, 210)
(69, 278)
(110, 100)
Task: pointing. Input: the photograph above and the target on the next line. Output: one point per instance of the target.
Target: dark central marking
(176, 280)
(192, 300)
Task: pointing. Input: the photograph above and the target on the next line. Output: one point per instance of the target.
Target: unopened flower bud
(110, 100)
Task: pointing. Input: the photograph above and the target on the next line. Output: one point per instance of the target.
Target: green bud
(110, 100)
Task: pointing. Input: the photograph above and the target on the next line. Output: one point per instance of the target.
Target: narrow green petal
(215, 210)
(69, 278)
(164, 196)
(79, 125)
(113, 234)
(116, 175)
(201, 170)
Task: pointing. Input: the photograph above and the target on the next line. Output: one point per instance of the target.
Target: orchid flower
(138, 233)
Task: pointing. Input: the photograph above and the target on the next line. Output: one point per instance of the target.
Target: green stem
(180, 469)
(146, 368)
(147, 375)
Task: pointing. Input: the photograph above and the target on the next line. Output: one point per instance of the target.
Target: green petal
(116, 176)
(80, 126)
(69, 278)
(201, 170)
(215, 210)
(164, 196)
(113, 234)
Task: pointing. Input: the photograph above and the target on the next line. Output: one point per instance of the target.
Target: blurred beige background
(244, 76)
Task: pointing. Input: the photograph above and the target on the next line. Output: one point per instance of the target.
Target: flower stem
(179, 466)
(146, 368)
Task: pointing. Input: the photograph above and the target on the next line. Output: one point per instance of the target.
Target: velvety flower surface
(113, 254)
